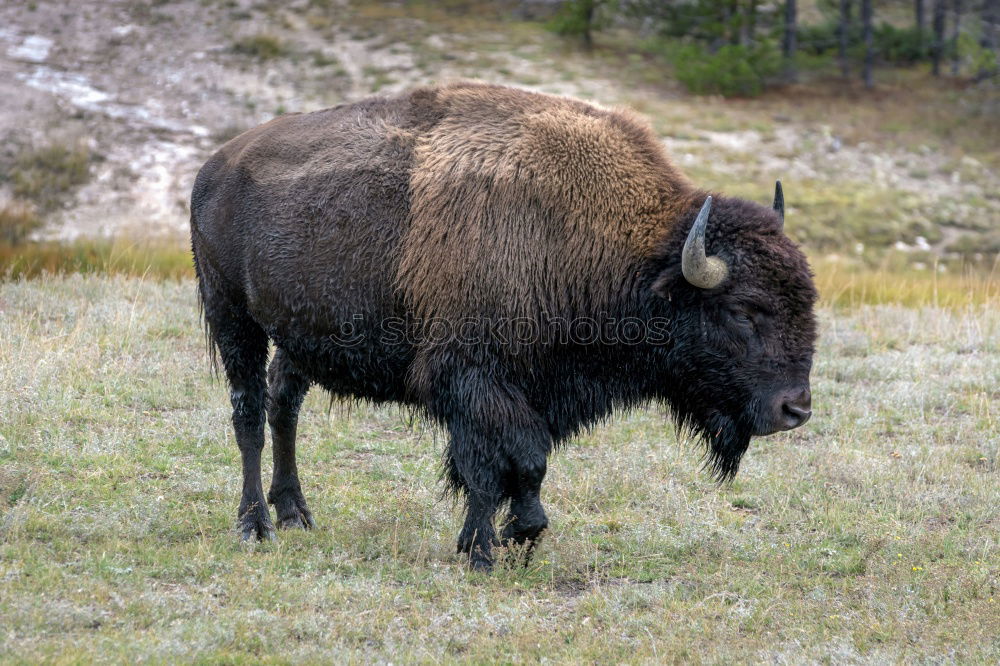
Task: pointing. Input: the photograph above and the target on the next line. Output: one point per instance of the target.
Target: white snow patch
(34, 48)
(734, 141)
(78, 91)
(146, 203)
(123, 30)
(74, 88)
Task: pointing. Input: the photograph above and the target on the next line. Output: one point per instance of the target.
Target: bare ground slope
(152, 88)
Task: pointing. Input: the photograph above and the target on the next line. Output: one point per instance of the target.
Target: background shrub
(732, 71)
(17, 220)
(261, 47)
(46, 175)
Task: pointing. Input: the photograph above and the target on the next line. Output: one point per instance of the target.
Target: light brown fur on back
(524, 203)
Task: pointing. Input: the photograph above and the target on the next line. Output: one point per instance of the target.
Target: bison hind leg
(242, 346)
(286, 389)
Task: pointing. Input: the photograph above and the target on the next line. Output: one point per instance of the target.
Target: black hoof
(292, 511)
(520, 539)
(480, 565)
(300, 521)
(479, 560)
(257, 530)
(255, 524)
(517, 534)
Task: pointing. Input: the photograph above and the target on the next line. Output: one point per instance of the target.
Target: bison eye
(744, 318)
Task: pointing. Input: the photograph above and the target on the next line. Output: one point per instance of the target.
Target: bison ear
(779, 202)
(661, 286)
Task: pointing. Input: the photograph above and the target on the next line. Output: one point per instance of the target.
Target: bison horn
(779, 202)
(698, 268)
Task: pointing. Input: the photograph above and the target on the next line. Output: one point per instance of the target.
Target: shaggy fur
(492, 211)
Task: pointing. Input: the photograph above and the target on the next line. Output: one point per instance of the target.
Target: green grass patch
(17, 220)
(46, 175)
(260, 46)
(866, 536)
(835, 216)
(378, 78)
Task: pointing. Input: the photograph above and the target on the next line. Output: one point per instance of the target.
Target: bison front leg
(286, 390)
(526, 520)
(478, 536)
(495, 438)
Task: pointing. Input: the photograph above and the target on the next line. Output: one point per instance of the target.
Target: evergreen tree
(789, 44)
(990, 20)
(844, 37)
(937, 45)
(956, 27)
(866, 22)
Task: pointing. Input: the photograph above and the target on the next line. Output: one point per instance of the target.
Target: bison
(515, 265)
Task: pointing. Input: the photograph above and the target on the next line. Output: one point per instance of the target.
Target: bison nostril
(793, 409)
(795, 415)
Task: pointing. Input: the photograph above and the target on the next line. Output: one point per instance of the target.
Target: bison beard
(725, 429)
(487, 203)
(726, 441)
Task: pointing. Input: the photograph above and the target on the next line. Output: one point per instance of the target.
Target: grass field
(870, 535)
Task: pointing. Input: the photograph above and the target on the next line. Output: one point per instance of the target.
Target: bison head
(741, 296)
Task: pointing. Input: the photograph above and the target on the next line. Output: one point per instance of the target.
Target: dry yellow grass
(844, 285)
(841, 283)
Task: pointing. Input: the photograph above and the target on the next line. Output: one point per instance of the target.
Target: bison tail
(200, 273)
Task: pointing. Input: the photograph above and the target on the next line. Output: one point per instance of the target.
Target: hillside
(145, 91)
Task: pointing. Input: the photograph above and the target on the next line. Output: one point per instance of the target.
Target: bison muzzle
(516, 265)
